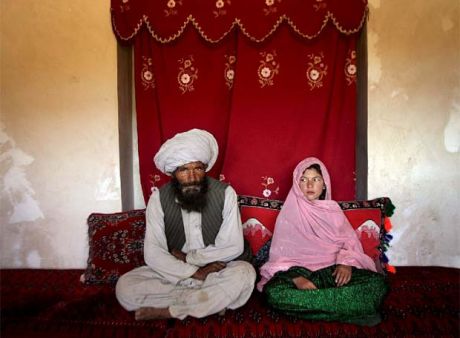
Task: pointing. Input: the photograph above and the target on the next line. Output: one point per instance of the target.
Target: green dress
(357, 302)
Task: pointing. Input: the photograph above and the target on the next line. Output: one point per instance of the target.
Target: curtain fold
(273, 80)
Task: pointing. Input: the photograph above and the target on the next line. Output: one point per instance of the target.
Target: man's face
(190, 176)
(191, 186)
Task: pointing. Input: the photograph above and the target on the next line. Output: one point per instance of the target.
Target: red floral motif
(154, 179)
(187, 74)
(147, 78)
(172, 7)
(116, 245)
(316, 70)
(270, 7)
(266, 182)
(268, 68)
(350, 67)
(229, 71)
(124, 7)
(320, 4)
(220, 8)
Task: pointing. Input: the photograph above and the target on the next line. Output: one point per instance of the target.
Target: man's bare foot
(148, 313)
(303, 283)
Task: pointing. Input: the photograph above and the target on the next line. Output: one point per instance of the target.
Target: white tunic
(166, 281)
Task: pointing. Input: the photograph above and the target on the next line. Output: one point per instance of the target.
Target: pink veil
(312, 234)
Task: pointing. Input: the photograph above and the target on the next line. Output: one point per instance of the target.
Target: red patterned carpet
(423, 301)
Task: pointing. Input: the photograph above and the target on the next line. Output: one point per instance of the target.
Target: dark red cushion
(367, 218)
(116, 245)
(258, 217)
(116, 240)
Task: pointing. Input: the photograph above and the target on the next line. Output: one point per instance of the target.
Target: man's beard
(191, 196)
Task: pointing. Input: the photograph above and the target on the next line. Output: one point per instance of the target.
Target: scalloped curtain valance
(214, 19)
(273, 80)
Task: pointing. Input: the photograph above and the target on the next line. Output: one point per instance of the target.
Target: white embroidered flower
(269, 57)
(185, 78)
(270, 180)
(147, 75)
(187, 63)
(221, 177)
(220, 3)
(351, 69)
(171, 4)
(269, 2)
(266, 193)
(265, 72)
(314, 74)
(230, 74)
(231, 59)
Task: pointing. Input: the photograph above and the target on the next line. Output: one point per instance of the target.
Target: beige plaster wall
(58, 129)
(414, 125)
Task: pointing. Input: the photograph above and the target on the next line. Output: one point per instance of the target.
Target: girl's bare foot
(303, 283)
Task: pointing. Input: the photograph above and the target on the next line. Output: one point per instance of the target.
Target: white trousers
(230, 288)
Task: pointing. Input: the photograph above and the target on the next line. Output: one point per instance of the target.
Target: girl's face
(311, 184)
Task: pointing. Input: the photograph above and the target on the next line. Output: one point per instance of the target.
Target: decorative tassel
(385, 258)
(385, 240)
(389, 208)
(390, 268)
(387, 224)
(388, 238)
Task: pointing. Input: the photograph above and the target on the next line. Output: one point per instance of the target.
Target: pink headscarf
(312, 234)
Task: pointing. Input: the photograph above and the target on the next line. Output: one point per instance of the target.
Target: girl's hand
(342, 274)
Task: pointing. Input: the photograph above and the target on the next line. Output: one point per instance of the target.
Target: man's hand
(179, 255)
(342, 274)
(303, 283)
(204, 271)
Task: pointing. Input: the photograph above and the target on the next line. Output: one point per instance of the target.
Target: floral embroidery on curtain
(268, 68)
(273, 80)
(350, 67)
(147, 78)
(187, 74)
(229, 73)
(316, 70)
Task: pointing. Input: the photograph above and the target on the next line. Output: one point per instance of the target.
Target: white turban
(191, 146)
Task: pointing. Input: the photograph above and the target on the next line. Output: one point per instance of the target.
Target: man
(192, 241)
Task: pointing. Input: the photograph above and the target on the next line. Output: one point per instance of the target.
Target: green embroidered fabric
(357, 302)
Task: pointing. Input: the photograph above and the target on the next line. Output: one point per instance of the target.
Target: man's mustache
(191, 187)
(191, 184)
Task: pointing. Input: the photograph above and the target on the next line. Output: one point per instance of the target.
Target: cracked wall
(414, 125)
(58, 129)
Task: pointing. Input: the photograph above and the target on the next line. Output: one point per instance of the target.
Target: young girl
(317, 268)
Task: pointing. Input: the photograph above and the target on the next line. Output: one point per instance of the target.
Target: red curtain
(273, 80)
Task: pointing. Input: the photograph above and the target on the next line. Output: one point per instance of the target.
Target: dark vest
(211, 216)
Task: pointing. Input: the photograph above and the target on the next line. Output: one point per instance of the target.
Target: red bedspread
(53, 303)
